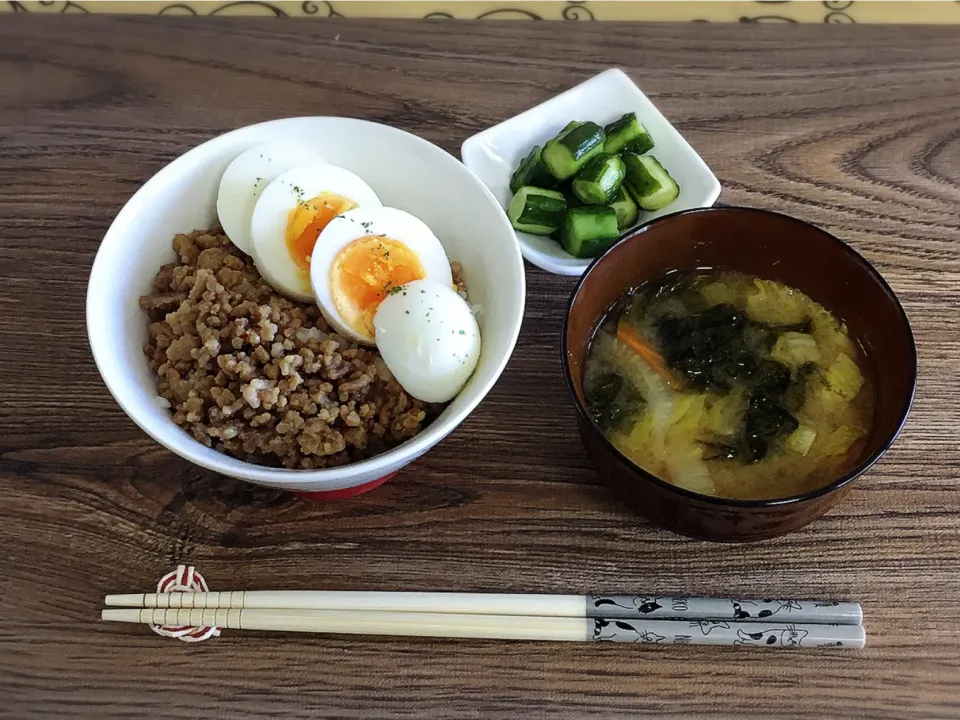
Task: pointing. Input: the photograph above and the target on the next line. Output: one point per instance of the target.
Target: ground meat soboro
(256, 376)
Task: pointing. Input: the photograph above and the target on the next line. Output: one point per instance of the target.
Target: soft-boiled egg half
(428, 337)
(365, 255)
(245, 179)
(292, 212)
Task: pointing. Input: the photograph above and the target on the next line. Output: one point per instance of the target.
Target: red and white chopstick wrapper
(184, 579)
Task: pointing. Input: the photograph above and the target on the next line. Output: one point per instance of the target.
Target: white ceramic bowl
(406, 172)
(495, 153)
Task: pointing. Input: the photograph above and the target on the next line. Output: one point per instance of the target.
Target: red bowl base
(345, 492)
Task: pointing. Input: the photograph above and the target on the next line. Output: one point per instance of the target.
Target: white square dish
(494, 154)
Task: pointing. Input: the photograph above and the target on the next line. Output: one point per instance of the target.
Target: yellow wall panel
(805, 11)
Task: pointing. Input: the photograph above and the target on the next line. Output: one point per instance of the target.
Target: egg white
(246, 177)
(429, 338)
(361, 222)
(272, 213)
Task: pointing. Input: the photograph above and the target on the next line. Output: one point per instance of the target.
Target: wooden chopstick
(503, 627)
(562, 606)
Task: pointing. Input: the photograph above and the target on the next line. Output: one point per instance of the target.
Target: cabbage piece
(844, 378)
(800, 440)
(771, 303)
(823, 405)
(839, 441)
(687, 468)
(831, 336)
(683, 455)
(686, 416)
(719, 293)
(794, 349)
(636, 441)
(724, 415)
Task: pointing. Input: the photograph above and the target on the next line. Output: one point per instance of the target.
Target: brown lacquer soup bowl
(770, 246)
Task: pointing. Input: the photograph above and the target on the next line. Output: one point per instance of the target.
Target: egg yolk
(364, 272)
(307, 220)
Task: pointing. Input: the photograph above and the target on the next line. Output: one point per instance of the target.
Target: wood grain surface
(854, 128)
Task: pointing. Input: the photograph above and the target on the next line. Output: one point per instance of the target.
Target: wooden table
(853, 128)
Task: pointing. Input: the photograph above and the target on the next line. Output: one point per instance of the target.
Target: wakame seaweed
(612, 400)
(709, 347)
(712, 349)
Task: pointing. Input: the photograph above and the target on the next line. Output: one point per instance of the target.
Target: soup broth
(729, 385)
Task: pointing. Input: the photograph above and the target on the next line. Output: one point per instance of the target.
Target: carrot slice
(636, 342)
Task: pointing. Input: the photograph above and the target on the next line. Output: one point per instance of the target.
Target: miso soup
(729, 385)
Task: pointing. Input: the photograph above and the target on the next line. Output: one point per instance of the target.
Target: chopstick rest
(185, 579)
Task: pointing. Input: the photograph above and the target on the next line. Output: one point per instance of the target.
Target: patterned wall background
(776, 11)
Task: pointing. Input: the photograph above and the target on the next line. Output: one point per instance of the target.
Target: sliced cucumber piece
(640, 145)
(532, 171)
(598, 182)
(626, 209)
(536, 210)
(647, 181)
(627, 133)
(589, 230)
(572, 149)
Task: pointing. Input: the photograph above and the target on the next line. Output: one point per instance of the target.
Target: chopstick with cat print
(627, 607)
